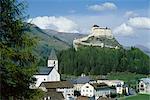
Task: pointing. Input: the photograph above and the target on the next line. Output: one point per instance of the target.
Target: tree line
(101, 61)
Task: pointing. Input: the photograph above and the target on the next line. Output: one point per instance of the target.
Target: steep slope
(67, 37)
(45, 43)
(99, 37)
(48, 40)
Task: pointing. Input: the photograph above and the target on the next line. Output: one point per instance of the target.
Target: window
(44, 79)
(87, 86)
(54, 62)
(86, 90)
(142, 85)
(90, 90)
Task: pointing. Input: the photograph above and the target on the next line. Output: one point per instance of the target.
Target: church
(48, 73)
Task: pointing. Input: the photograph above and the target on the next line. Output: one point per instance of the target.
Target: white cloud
(61, 24)
(140, 22)
(123, 29)
(102, 7)
(129, 14)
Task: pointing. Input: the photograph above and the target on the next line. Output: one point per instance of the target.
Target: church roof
(52, 55)
(44, 70)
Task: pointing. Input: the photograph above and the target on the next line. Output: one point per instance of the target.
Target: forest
(101, 61)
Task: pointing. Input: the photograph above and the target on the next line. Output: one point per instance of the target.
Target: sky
(129, 20)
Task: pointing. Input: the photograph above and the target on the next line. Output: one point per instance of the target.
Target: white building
(144, 86)
(80, 81)
(122, 89)
(48, 73)
(96, 90)
(65, 87)
(87, 90)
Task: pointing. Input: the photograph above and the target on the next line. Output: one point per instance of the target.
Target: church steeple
(52, 60)
(52, 55)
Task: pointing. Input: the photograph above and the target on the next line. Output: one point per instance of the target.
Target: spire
(52, 55)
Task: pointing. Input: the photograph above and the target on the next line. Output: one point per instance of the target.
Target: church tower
(52, 60)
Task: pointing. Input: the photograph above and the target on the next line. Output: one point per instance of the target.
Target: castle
(98, 37)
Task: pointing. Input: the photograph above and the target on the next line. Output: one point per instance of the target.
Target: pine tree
(17, 62)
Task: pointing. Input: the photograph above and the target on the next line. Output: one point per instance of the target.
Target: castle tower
(52, 60)
(101, 32)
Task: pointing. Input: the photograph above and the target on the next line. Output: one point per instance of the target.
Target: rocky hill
(99, 37)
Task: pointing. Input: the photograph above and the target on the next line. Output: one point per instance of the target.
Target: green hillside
(45, 43)
(101, 61)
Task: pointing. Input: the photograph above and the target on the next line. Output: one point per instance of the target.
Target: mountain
(99, 37)
(48, 39)
(67, 37)
(144, 49)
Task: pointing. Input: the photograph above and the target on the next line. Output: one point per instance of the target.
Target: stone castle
(97, 37)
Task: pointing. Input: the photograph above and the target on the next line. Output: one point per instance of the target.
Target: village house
(122, 89)
(144, 86)
(47, 73)
(96, 90)
(80, 81)
(118, 84)
(65, 87)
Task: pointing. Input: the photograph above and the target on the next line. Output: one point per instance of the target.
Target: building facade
(96, 90)
(144, 86)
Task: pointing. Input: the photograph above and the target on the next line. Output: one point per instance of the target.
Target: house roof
(56, 84)
(55, 95)
(44, 70)
(81, 80)
(82, 98)
(99, 85)
(145, 80)
(52, 55)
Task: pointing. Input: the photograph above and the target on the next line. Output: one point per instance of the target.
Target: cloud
(129, 14)
(61, 24)
(132, 26)
(139, 22)
(102, 7)
(123, 29)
